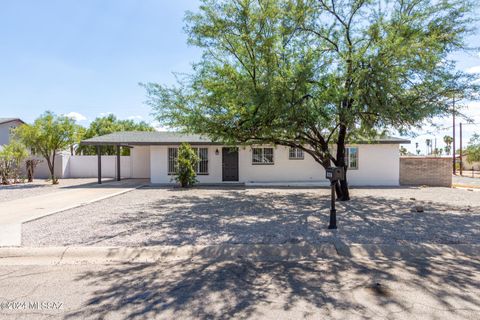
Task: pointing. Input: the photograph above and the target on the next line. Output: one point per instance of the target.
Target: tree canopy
(109, 124)
(315, 73)
(473, 149)
(49, 134)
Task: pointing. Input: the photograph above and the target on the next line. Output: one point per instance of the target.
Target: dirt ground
(207, 216)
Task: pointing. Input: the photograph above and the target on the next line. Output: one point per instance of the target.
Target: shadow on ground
(238, 217)
(422, 287)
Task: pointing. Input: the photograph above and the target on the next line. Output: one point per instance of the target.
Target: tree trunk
(341, 188)
(51, 167)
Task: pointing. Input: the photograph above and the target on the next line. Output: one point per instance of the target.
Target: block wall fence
(428, 171)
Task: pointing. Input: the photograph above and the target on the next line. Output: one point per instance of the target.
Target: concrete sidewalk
(14, 213)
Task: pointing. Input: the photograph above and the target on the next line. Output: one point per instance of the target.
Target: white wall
(87, 167)
(159, 165)
(140, 162)
(378, 164)
(67, 166)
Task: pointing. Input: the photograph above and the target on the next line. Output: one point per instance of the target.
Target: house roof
(132, 138)
(6, 120)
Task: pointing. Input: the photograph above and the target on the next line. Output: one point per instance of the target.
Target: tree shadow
(239, 217)
(330, 288)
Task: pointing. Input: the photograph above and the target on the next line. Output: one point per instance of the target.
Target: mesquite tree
(48, 135)
(317, 74)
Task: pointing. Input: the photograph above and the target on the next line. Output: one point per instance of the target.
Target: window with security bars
(295, 154)
(202, 164)
(351, 157)
(262, 155)
(172, 160)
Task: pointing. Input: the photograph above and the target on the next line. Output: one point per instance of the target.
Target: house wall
(159, 165)
(469, 165)
(5, 131)
(140, 162)
(378, 165)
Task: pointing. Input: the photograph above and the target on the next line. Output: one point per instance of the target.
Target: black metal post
(333, 212)
(118, 163)
(99, 155)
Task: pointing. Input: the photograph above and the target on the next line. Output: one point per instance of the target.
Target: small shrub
(187, 162)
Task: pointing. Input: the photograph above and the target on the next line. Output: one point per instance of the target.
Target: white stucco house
(6, 127)
(153, 156)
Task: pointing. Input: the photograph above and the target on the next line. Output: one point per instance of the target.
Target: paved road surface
(407, 286)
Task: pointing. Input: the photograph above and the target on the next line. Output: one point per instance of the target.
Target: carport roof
(135, 138)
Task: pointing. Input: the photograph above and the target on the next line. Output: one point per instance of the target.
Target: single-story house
(154, 156)
(6, 127)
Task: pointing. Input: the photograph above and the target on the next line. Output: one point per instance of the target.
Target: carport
(98, 146)
(116, 140)
(139, 140)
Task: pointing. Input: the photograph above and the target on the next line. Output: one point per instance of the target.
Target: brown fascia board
(13, 120)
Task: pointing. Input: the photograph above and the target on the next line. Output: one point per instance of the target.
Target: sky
(86, 58)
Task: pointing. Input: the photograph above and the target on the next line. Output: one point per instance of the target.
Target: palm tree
(448, 141)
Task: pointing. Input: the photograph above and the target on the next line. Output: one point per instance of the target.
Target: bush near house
(187, 162)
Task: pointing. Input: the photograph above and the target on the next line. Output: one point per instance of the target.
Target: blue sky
(87, 57)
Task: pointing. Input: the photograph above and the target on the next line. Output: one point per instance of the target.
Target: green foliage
(187, 162)
(403, 151)
(311, 73)
(48, 135)
(473, 149)
(11, 159)
(110, 124)
(448, 141)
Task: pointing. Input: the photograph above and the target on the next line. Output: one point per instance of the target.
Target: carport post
(118, 162)
(99, 155)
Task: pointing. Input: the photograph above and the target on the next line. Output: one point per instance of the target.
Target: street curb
(256, 252)
(115, 255)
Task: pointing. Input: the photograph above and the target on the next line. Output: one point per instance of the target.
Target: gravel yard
(166, 216)
(38, 187)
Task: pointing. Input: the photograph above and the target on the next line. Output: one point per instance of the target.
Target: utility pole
(461, 156)
(435, 149)
(453, 112)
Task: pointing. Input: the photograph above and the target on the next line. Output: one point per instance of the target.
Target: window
(351, 156)
(202, 165)
(262, 156)
(172, 160)
(295, 154)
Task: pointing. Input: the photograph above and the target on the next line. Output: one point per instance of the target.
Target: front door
(230, 164)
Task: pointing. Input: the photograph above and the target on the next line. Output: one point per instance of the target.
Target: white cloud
(76, 116)
(135, 118)
(475, 69)
(104, 114)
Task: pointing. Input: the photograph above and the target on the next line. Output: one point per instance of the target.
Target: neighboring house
(6, 127)
(154, 156)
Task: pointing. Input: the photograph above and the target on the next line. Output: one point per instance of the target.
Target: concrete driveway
(15, 212)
